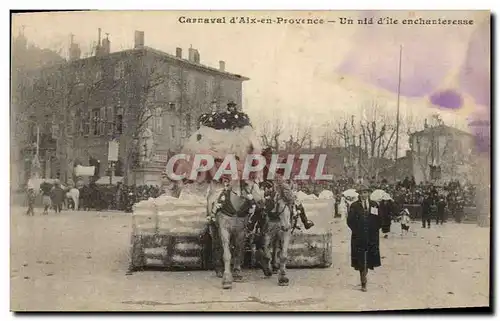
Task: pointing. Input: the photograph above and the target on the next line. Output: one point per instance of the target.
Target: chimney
(98, 46)
(222, 65)
(196, 56)
(74, 50)
(139, 39)
(191, 54)
(178, 52)
(106, 45)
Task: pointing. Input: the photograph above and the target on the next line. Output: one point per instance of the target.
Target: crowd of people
(89, 197)
(405, 191)
(438, 201)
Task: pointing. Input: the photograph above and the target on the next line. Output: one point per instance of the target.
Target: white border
(179, 4)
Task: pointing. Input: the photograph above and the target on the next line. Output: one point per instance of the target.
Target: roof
(190, 63)
(161, 54)
(440, 130)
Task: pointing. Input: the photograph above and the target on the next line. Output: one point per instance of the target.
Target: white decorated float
(170, 232)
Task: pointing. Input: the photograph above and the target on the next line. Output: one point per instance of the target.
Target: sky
(308, 73)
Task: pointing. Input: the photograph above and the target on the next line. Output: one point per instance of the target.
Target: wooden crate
(168, 237)
(306, 250)
(310, 250)
(168, 250)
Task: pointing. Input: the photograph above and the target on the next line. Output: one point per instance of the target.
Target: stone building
(441, 153)
(26, 58)
(83, 104)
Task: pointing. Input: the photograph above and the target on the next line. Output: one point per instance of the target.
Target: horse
(73, 195)
(230, 204)
(276, 234)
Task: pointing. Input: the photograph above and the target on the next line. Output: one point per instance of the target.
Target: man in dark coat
(386, 213)
(441, 207)
(427, 204)
(57, 195)
(364, 222)
(47, 202)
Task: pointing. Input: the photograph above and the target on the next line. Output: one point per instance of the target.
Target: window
(148, 117)
(73, 123)
(188, 125)
(119, 70)
(98, 75)
(158, 119)
(109, 120)
(172, 131)
(95, 122)
(79, 122)
(119, 120)
(78, 77)
(55, 127)
(86, 124)
(102, 118)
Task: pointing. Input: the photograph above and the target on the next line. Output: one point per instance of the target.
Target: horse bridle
(275, 208)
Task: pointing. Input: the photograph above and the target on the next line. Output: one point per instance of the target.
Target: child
(31, 201)
(405, 221)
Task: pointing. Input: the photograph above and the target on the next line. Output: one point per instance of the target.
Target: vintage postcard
(250, 160)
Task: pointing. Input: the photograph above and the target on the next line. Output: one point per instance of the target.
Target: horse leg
(239, 247)
(276, 253)
(224, 234)
(266, 249)
(75, 201)
(285, 240)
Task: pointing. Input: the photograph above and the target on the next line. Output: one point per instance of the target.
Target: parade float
(171, 231)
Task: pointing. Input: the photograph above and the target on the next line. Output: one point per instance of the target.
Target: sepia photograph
(242, 161)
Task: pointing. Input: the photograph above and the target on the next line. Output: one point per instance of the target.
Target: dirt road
(78, 261)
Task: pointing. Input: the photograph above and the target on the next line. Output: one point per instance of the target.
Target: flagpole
(397, 113)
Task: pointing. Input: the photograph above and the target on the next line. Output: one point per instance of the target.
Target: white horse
(74, 195)
(230, 206)
(276, 234)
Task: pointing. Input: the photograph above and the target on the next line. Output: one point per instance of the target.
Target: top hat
(363, 188)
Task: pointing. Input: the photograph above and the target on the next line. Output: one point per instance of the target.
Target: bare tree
(329, 138)
(300, 137)
(270, 133)
(151, 101)
(56, 95)
(368, 140)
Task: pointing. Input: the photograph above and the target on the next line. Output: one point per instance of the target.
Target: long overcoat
(365, 226)
(386, 211)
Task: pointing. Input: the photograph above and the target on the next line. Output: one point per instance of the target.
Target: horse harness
(227, 207)
(272, 208)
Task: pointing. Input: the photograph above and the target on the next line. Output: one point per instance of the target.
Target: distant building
(25, 59)
(440, 154)
(83, 104)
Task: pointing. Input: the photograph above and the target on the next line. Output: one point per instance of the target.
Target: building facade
(83, 104)
(441, 154)
(26, 58)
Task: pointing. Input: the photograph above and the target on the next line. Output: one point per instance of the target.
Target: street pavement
(77, 261)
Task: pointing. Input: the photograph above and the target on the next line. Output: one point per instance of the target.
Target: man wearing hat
(57, 195)
(231, 106)
(364, 221)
